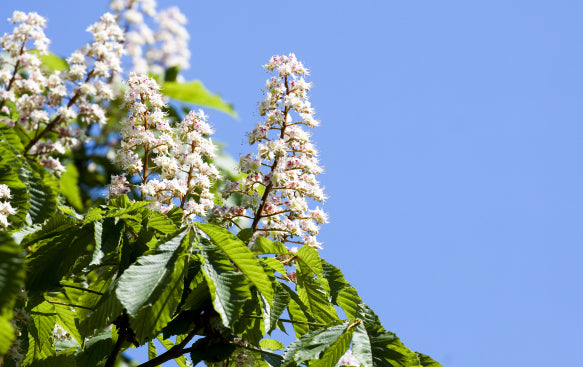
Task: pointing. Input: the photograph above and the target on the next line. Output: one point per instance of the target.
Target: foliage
(82, 278)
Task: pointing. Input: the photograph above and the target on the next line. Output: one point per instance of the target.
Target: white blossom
(280, 181)
(174, 168)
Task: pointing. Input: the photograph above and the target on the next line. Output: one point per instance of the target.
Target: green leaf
(67, 319)
(271, 344)
(427, 361)
(298, 312)
(245, 234)
(96, 349)
(313, 295)
(229, 288)
(309, 259)
(40, 332)
(152, 350)
(200, 294)
(161, 223)
(195, 92)
(151, 288)
(241, 256)
(11, 272)
(69, 184)
(315, 344)
(280, 302)
(387, 349)
(361, 347)
(264, 245)
(341, 292)
(104, 311)
(171, 74)
(53, 62)
(20, 198)
(54, 257)
(6, 334)
(42, 189)
(276, 266)
(61, 360)
(335, 351)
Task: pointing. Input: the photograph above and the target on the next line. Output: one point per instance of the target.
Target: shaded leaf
(11, 272)
(151, 288)
(68, 247)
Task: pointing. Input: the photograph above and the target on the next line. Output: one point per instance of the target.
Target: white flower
(286, 164)
(4, 192)
(178, 154)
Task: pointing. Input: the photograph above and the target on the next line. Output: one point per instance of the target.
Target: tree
(207, 260)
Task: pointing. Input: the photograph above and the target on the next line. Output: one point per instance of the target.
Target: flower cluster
(27, 93)
(5, 208)
(172, 168)
(279, 181)
(153, 50)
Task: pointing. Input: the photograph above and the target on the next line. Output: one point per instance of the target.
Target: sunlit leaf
(241, 256)
(196, 93)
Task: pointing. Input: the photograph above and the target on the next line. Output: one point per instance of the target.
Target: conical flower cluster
(171, 162)
(280, 181)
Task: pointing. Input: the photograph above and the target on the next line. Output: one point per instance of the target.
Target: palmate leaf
(40, 332)
(68, 320)
(151, 288)
(341, 292)
(11, 272)
(309, 260)
(6, 333)
(61, 360)
(314, 296)
(264, 246)
(44, 272)
(9, 177)
(299, 313)
(103, 309)
(427, 361)
(229, 288)
(275, 265)
(97, 348)
(315, 344)
(69, 184)
(42, 189)
(361, 347)
(195, 92)
(386, 349)
(242, 257)
(280, 302)
(335, 351)
(161, 223)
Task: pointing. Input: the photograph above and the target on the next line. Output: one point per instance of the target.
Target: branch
(174, 352)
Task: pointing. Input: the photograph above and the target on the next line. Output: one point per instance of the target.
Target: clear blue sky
(452, 139)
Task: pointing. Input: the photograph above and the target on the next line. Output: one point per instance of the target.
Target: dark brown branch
(172, 353)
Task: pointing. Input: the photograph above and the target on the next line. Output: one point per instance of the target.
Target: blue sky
(452, 141)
